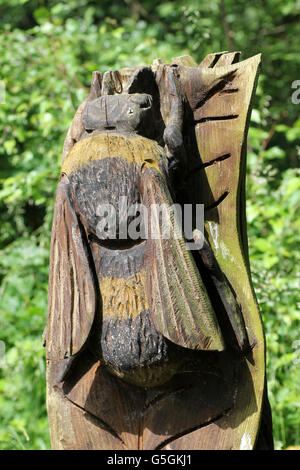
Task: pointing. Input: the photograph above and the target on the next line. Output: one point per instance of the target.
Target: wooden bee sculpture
(151, 344)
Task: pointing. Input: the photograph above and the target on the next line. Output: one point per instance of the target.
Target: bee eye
(130, 111)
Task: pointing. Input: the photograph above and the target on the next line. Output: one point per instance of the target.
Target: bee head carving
(128, 113)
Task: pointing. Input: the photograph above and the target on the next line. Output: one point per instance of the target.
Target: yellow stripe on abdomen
(133, 148)
(123, 298)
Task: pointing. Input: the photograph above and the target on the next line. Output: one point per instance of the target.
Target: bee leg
(224, 290)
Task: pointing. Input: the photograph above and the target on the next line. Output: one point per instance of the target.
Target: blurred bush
(48, 50)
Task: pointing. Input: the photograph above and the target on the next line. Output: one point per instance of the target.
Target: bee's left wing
(179, 303)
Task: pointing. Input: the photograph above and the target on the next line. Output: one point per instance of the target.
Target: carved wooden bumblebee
(139, 327)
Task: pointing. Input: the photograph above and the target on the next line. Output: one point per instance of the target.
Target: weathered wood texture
(188, 388)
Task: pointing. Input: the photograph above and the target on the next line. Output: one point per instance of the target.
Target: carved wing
(72, 297)
(179, 303)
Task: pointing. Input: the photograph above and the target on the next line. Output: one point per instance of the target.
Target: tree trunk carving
(151, 344)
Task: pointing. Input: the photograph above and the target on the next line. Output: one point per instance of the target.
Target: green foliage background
(48, 50)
